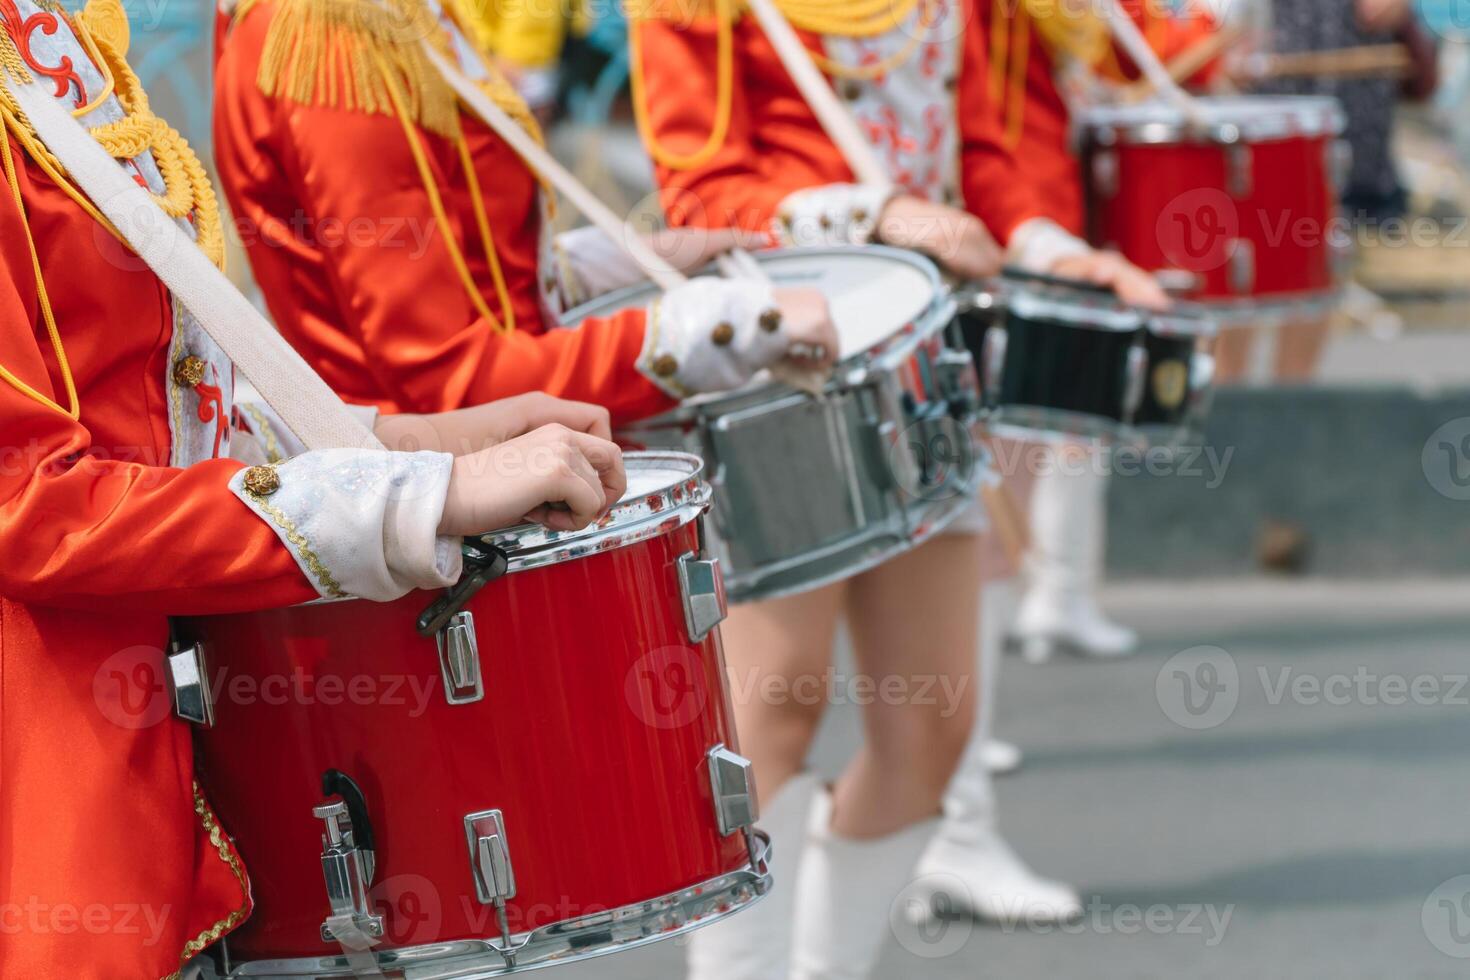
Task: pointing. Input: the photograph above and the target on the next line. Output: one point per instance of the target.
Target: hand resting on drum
(553, 476)
(956, 239)
(469, 430)
(811, 336)
(1132, 285)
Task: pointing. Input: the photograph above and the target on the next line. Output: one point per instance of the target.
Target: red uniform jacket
(111, 863)
(342, 239)
(776, 146)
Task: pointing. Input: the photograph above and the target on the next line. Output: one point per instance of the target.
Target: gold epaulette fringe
(343, 54)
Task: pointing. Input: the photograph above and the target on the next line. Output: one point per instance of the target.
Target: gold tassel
(334, 53)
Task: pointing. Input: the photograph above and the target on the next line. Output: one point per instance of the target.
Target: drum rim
(529, 546)
(931, 320)
(1160, 124)
(645, 923)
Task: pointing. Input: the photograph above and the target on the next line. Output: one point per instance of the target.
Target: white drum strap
(833, 116)
(304, 402)
(543, 164)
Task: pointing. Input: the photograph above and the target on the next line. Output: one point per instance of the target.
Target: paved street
(1319, 815)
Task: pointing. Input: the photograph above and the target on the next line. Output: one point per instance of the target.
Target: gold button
(771, 321)
(951, 83)
(723, 334)
(852, 91)
(860, 215)
(826, 223)
(262, 481)
(549, 284)
(189, 371)
(665, 366)
(786, 220)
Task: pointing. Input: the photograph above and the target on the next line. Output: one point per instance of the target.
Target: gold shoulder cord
(188, 191)
(838, 18)
(360, 56)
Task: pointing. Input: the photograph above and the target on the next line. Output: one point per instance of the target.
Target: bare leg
(779, 654)
(914, 624)
(1233, 354)
(1299, 349)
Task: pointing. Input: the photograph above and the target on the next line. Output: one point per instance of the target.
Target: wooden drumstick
(1191, 60)
(1392, 60)
(1007, 518)
(1131, 39)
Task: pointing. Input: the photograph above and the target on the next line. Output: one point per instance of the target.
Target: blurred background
(1275, 786)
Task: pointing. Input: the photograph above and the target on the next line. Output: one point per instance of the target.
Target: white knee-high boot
(845, 895)
(756, 944)
(1068, 529)
(969, 863)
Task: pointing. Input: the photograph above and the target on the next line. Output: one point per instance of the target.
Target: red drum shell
(592, 738)
(1172, 206)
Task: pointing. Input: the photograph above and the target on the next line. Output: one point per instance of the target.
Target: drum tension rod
(483, 564)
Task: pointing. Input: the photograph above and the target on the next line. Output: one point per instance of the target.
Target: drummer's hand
(691, 249)
(811, 335)
(552, 476)
(955, 239)
(1132, 285)
(469, 430)
(1383, 16)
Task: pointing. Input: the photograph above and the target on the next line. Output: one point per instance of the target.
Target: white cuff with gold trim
(1037, 244)
(359, 522)
(836, 214)
(711, 335)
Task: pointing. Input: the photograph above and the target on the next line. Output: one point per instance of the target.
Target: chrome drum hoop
(558, 944)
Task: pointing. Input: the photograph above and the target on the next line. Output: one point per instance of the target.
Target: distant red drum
(1236, 208)
(534, 767)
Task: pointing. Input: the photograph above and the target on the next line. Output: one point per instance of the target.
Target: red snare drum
(1239, 207)
(552, 776)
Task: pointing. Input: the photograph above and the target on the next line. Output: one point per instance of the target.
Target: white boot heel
(756, 944)
(845, 896)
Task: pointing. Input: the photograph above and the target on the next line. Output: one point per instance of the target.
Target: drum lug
(347, 870)
(994, 352)
(730, 775)
(1243, 267)
(188, 682)
(1241, 166)
(703, 588)
(1201, 372)
(1133, 387)
(459, 660)
(1105, 172)
(1339, 165)
(490, 866)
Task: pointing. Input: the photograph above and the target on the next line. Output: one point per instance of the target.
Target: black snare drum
(1061, 359)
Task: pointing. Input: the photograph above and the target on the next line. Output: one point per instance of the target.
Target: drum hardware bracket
(1105, 172)
(1135, 382)
(459, 660)
(1242, 266)
(736, 806)
(188, 683)
(348, 871)
(1242, 164)
(490, 865)
(703, 589)
(483, 564)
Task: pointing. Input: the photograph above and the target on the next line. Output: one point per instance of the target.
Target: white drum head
(1253, 118)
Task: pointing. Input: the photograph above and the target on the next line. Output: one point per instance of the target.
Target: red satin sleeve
(81, 527)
